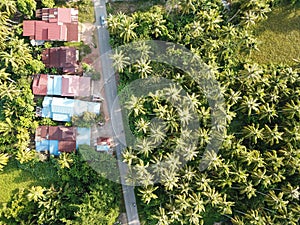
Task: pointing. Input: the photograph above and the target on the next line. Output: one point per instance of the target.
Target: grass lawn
(13, 177)
(279, 37)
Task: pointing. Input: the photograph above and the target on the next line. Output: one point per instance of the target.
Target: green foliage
(103, 163)
(3, 160)
(26, 7)
(16, 175)
(100, 206)
(48, 3)
(47, 122)
(74, 190)
(247, 180)
(87, 119)
(86, 10)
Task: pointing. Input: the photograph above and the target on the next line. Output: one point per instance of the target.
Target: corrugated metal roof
(59, 24)
(75, 86)
(63, 108)
(84, 86)
(64, 15)
(53, 147)
(60, 57)
(54, 86)
(53, 32)
(28, 28)
(67, 146)
(39, 85)
(72, 32)
(83, 136)
(56, 139)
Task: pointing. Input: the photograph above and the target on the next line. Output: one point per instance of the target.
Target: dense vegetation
(254, 179)
(76, 195)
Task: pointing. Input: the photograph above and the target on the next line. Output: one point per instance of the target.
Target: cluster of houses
(63, 95)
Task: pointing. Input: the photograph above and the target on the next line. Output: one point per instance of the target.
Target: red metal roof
(57, 24)
(39, 85)
(72, 34)
(104, 141)
(67, 146)
(59, 133)
(64, 15)
(66, 136)
(75, 86)
(54, 31)
(28, 28)
(84, 86)
(61, 57)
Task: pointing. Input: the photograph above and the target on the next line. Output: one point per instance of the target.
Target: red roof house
(61, 57)
(39, 85)
(59, 133)
(75, 86)
(56, 139)
(69, 85)
(58, 24)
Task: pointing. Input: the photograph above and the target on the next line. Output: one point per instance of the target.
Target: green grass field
(279, 37)
(13, 177)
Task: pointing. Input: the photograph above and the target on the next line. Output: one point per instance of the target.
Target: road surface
(114, 111)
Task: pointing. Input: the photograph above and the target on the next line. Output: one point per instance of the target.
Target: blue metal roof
(54, 85)
(50, 145)
(102, 148)
(62, 109)
(83, 136)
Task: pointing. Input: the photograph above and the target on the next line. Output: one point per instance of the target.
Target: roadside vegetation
(129, 7)
(254, 179)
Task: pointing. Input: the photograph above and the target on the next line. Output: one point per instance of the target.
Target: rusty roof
(67, 146)
(61, 57)
(59, 133)
(39, 85)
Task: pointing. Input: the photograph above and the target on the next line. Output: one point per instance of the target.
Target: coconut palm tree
(129, 156)
(272, 135)
(3, 160)
(65, 160)
(249, 103)
(147, 193)
(7, 127)
(292, 109)
(144, 146)
(136, 104)
(143, 67)
(142, 125)
(253, 132)
(161, 217)
(157, 132)
(36, 193)
(127, 30)
(120, 61)
(267, 111)
(8, 6)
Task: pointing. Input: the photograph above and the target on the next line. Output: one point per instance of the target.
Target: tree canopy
(254, 179)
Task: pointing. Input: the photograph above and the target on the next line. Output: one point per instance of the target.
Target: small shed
(104, 144)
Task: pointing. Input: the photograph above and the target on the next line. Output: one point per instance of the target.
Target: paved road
(114, 111)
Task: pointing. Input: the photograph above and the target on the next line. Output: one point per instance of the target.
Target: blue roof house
(51, 145)
(62, 109)
(54, 85)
